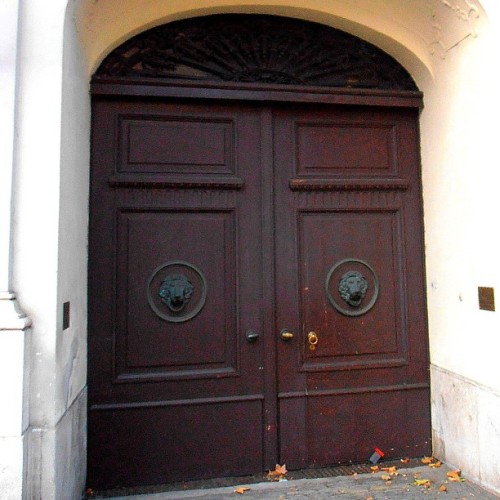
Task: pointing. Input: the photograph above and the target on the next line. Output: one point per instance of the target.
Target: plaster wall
(448, 47)
(49, 229)
(459, 158)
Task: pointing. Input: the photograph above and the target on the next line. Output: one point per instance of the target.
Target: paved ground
(408, 484)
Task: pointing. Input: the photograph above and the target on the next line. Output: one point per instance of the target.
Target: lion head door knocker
(356, 292)
(175, 291)
(352, 287)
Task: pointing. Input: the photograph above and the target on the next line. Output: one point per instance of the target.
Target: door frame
(260, 93)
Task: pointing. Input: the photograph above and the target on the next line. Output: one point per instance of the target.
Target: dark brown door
(213, 228)
(176, 389)
(349, 277)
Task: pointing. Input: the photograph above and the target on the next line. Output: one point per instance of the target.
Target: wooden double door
(256, 288)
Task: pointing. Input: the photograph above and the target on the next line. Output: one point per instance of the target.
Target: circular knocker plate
(352, 287)
(177, 291)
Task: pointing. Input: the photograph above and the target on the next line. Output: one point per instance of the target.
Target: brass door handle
(286, 335)
(312, 338)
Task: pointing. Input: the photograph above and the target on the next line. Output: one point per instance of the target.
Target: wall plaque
(486, 297)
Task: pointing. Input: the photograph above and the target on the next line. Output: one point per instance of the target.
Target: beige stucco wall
(450, 49)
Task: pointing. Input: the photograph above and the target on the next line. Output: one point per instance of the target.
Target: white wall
(49, 242)
(460, 174)
(460, 158)
(448, 46)
(14, 325)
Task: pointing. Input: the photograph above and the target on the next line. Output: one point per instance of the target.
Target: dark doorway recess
(256, 281)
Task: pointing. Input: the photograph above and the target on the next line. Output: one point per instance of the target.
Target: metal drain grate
(348, 470)
(336, 471)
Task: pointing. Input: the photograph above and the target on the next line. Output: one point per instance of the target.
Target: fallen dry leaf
(405, 460)
(435, 465)
(455, 475)
(385, 477)
(278, 472)
(427, 460)
(443, 488)
(241, 490)
(375, 468)
(391, 470)
(422, 482)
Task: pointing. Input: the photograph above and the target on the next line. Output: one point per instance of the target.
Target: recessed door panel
(177, 293)
(351, 285)
(321, 147)
(175, 144)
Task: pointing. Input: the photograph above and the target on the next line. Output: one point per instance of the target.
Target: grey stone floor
(358, 486)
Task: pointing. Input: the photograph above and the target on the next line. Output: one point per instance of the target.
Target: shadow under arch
(254, 48)
(101, 30)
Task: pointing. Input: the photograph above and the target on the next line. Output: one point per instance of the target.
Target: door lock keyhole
(312, 338)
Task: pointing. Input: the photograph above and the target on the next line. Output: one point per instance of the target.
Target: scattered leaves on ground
(375, 468)
(455, 476)
(443, 488)
(241, 490)
(278, 473)
(431, 462)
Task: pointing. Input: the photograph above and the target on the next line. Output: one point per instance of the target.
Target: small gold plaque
(486, 298)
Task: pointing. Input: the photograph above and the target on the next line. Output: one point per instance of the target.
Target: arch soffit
(101, 29)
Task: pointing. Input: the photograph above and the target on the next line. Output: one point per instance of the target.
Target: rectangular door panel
(348, 426)
(352, 289)
(189, 144)
(345, 147)
(154, 444)
(350, 143)
(166, 329)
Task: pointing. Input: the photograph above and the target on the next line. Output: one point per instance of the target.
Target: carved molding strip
(255, 48)
(348, 185)
(162, 182)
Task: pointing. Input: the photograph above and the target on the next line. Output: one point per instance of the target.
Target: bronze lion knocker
(352, 287)
(355, 290)
(175, 291)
